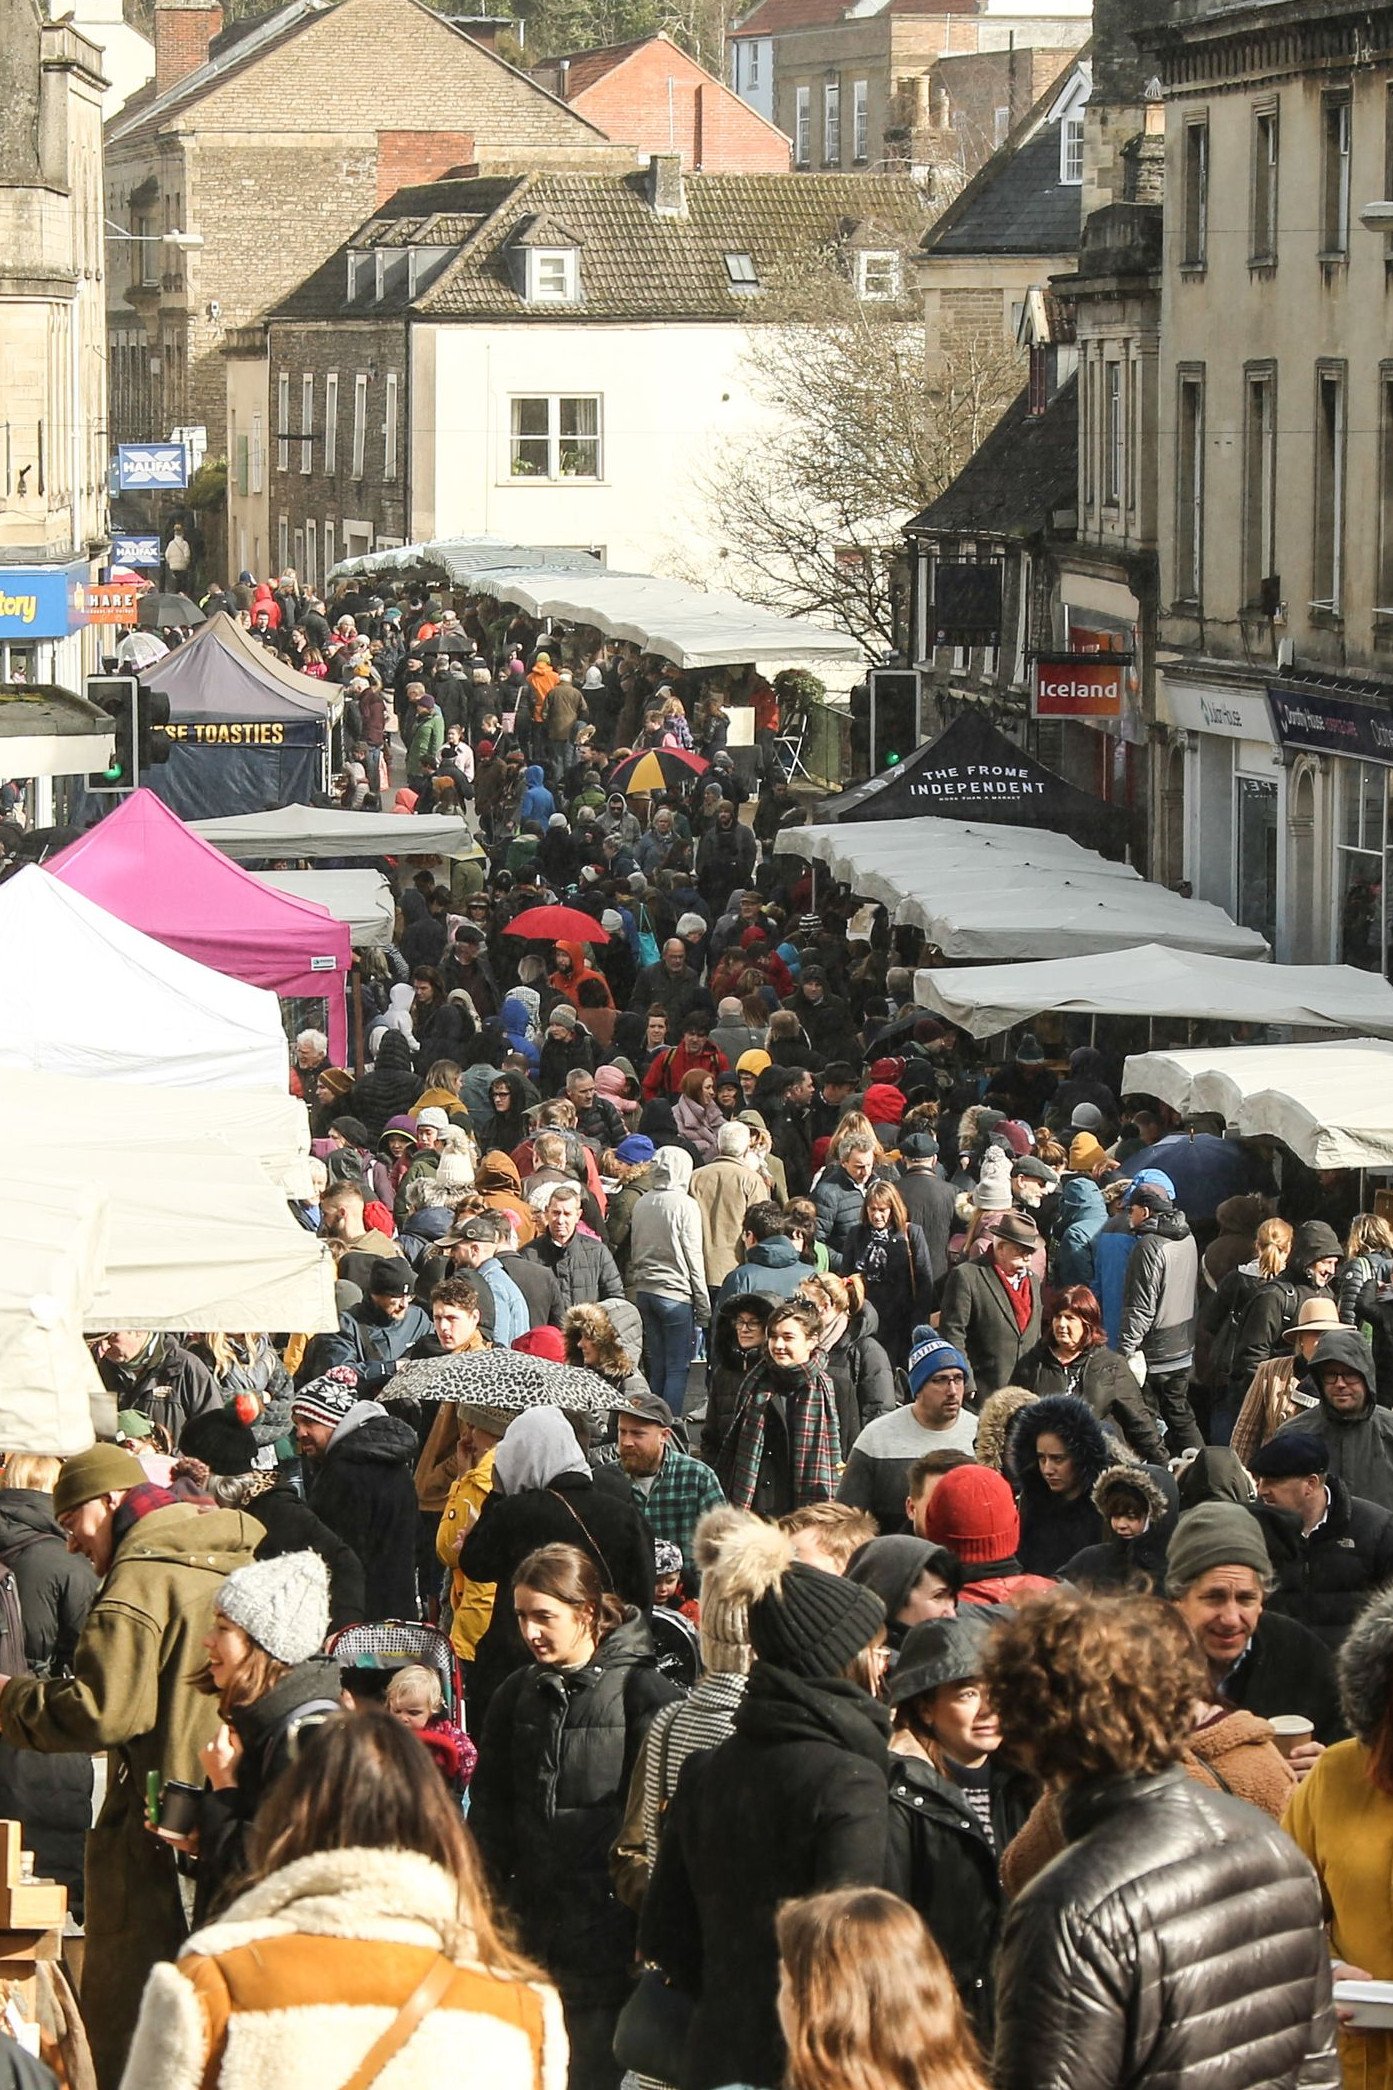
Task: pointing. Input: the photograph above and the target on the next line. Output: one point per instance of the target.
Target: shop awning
(90, 996)
(1154, 981)
(48, 731)
(362, 900)
(998, 893)
(1332, 1104)
(691, 627)
(307, 834)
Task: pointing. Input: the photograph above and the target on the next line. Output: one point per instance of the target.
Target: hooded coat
(1080, 1215)
(726, 1367)
(51, 1795)
(1126, 1565)
(1056, 1527)
(796, 1802)
(1360, 1446)
(1238, 1219)
(1275, 1305)
(390, 1089)
(547, 1799)
(773, 1267)
(666, 1255)
(130, 1695)
(1159, 1294)
(363, 1490)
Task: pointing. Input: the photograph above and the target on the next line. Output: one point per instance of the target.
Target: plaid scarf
(810, 1419)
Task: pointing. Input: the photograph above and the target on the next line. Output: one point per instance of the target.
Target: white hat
(433, 1118)
(281, 1604)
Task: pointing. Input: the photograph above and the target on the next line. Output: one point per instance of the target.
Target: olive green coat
(130, 1695)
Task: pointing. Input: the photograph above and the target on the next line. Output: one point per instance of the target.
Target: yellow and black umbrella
(656, 769)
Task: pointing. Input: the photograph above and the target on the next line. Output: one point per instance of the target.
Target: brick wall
(373, 350)
(406, 158)
(182, 37)
(660, 100)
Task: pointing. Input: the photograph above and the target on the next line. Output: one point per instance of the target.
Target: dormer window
(741, 271)
(553, 277)
(362, 274)
(877, 275)
(1071, 150)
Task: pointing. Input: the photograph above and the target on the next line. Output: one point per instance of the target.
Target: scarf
(810, 1419)
(1021, 1295)
(875, 1256)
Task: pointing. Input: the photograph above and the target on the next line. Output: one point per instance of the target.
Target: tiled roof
(634, 264)
(261, 37)
(584, 68)
(772, 16)
(1024, 472)
(1014, 205)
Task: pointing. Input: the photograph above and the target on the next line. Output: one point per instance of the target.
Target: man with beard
(671, 1491)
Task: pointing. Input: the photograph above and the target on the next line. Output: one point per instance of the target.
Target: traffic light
(117, 696)
(152, 740)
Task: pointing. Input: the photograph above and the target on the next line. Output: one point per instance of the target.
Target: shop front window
(1362, 854)
(1257, 855)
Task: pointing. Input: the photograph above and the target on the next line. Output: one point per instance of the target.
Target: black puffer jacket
(1101, 1380)
(364, 1491)
(571, 1511)
(1054, 1527)
(1325, 1577)
(291, 1526)
(547, 1799)
(941, 1863)
(51, 1795)
(392, 1086)
(797, 1801)
(1131, 1960)
(726, 1367)
(584, 1269)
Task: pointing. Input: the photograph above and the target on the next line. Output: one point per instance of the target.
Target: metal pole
(357, 1020)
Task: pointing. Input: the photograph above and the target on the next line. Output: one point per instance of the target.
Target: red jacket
(665, 1075)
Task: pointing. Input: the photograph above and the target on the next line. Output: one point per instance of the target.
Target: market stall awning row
(1332, 1104)
(361, 900)
(309, 834)
(1154, 981)
(692, 627)
(1001, 893)
(143, 864)
(94, 997)
(467, 561)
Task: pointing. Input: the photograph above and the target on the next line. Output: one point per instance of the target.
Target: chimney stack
(183, 31)
(667, 195)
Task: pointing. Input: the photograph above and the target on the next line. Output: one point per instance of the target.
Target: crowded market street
(768, 1535)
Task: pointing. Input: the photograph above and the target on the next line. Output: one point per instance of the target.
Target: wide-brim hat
(1313, 1313)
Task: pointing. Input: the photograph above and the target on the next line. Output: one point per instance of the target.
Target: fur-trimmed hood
(391, 1897)
(999, 1411)
(1365, 1668)
(1125, 1473)
(1077, 1427)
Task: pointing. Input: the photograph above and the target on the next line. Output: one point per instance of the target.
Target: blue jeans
(669, 1329)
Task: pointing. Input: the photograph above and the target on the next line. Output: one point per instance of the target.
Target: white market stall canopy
(89, 996)
(1332, 1104)
(302, 834)
(691, 627)
(197, 1238)
(362, 899)
(997, 893)
(52, 1250)
(1154, 981)
(267, 1127)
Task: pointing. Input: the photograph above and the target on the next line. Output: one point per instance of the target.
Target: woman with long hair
(1072, 1356)
(558, 1749)
(1222, 1315)
(697, 1114)
(891, 1256)
(263, 1666)
(364, 1934)
(865, 2000)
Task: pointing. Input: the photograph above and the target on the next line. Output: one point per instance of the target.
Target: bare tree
(811, 516)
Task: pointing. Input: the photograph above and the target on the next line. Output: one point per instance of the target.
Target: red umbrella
(560, 924)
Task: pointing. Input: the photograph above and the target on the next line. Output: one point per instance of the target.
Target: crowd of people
(911, 1549)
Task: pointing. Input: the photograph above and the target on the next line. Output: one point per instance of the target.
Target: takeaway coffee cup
(179, 1807)
(1290, 1730)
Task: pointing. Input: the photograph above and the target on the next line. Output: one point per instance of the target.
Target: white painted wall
(128, 58)
(671, 395)
(752, 71)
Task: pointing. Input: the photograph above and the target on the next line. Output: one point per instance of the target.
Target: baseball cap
(647, 1407)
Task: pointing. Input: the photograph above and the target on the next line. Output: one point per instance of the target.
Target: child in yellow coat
(471, 1603)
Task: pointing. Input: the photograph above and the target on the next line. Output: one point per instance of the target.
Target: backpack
(13, 1659)
(1224, 1347)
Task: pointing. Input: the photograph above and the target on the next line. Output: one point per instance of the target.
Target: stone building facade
(266, 141)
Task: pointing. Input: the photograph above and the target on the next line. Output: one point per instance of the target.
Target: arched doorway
(1304, 941)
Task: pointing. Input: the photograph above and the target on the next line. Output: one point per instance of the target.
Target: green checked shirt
(679, 1495)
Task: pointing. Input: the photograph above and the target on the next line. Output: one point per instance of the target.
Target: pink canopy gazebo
(142, 864)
